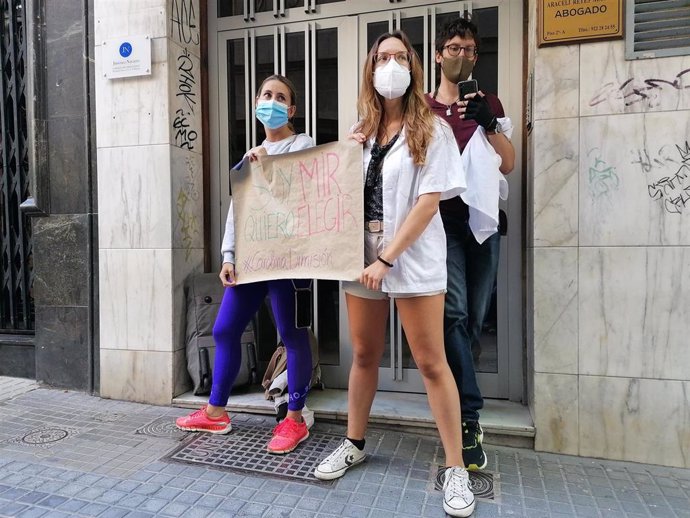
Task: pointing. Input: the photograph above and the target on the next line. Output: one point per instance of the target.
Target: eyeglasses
(454, 50)
(402, 57)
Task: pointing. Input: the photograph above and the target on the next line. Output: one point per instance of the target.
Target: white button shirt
(421, 268)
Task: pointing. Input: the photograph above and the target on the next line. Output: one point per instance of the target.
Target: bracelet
(390, 265)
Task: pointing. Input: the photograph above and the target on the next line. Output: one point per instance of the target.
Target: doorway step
(505, 423)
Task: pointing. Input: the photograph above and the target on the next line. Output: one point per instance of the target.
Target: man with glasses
(472, 265)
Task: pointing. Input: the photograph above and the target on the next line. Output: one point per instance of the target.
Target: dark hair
(290, 86)
(460, 27)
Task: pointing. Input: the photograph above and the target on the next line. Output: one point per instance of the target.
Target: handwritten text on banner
(300, 215)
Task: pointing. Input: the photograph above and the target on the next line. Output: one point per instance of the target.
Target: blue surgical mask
(272, 114)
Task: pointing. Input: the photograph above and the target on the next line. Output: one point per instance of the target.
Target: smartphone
(303, 308)
(467, 87)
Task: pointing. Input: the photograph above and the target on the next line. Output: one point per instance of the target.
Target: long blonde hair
(418, 118)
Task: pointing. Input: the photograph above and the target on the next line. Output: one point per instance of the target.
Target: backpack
(204, 293)
(277, 365)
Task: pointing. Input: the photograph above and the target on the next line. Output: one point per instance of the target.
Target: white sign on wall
(128, 56)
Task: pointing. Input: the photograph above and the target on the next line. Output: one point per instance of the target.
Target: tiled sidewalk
(69, 454)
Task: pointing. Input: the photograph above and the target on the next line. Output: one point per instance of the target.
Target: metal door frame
(507, 382)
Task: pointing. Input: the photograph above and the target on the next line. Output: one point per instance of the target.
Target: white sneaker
(337, 463)
(458, 500)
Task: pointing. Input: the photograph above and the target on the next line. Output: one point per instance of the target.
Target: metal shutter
(657, 28)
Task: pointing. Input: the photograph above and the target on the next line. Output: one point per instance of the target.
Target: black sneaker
(472, 452)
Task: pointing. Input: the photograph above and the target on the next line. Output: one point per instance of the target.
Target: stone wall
(609, 202)
(150, 198)
(64, 262)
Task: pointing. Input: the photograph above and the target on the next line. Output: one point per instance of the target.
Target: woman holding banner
(275, 106)
(411, 162)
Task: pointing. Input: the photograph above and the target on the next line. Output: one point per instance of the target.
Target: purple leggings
(236, 310)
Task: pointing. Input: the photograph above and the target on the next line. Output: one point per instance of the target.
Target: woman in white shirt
(411, 162)
(275, 106)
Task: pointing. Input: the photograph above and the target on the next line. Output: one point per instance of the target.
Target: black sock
(357, 442)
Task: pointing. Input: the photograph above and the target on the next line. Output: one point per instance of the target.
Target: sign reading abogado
(570, 21)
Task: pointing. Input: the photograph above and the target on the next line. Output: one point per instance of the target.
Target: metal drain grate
(162, 427)
(481, 482)
(244, 451)
(43, 437)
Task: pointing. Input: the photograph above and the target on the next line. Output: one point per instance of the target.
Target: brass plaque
(570, 21)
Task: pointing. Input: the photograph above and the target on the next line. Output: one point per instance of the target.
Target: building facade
(129, 188)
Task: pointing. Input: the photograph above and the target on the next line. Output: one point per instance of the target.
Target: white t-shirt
(421, 267)
(287, 145)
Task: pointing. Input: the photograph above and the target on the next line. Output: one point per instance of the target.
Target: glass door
(320, 46)
(397, 370)
(497, 360)
(317, 57)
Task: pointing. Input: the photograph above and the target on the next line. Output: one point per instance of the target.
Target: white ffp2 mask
(392, 79)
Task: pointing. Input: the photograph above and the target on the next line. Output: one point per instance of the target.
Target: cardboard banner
(300, 215)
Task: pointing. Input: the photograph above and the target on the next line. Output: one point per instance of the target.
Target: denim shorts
(373, 246)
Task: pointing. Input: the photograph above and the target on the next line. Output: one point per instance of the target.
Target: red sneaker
(200, 421)
(287, 436)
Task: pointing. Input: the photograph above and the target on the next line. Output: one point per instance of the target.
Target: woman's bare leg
(422, 320)
(368, 319)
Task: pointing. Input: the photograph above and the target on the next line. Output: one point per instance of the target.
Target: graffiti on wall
(186, 203)
(668, 175)
(647, 90)
(185, 31)
(184, 27)
(603, 180)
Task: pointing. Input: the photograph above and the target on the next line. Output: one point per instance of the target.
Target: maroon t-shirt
(455, 209)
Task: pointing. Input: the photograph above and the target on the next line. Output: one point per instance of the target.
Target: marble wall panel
(611, 85)
(134, 197)
(136, 300)
(185, 263)
(635, 179)
(635, 419)
(62, 357)
(18, 360)
(65, 66)
(185, 25)
(555, 184)
(144, 376)
(68, 168)
(529, 325)
(555, 413)
(555, 310)
(185, 98)
(65, 19)
(132, 111)
(60, 260)
(187, 200)
(181, 381)
(634, 312)
(556, 76)
(115, 18)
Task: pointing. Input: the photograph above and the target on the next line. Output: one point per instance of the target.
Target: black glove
(478, 109)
